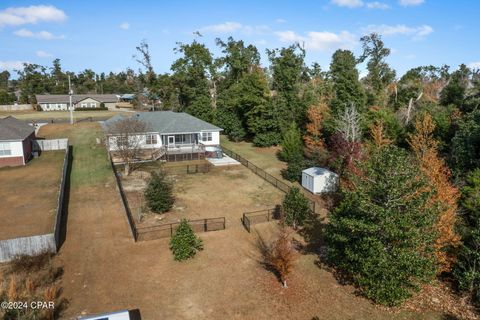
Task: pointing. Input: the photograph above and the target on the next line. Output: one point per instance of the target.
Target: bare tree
(349, 124)
(126, 136)
(406, 113)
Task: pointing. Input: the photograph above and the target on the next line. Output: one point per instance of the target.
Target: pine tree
(159, 193)
(346, 85)
(296, 208)
(292, 153)
(438, 175)
(382, 233)
(184, 244)
(377, 132)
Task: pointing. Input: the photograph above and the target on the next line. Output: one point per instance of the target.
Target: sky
(102, 35)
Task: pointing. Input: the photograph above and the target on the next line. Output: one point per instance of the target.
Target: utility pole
(70, 92)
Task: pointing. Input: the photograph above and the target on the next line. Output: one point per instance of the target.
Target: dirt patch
(29, 196)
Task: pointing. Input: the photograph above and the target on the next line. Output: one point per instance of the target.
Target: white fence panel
(49, 145)
(34, 245)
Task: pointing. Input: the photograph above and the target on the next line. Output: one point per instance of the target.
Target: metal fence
(280, 185)
(260, 216)
(188, 168)
(166, 230)
(50, 145)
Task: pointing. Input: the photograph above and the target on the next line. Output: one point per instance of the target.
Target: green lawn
(58, 115)
(91, 166)
(265, 158)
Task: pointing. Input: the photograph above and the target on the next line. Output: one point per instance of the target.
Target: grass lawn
(91, 162)
(265, 158)
(59, 115)
(29, 196)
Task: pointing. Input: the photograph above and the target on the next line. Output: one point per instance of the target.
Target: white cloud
(16, 16)
(279, 20)
(43, 35)
(232, 27)
(43, 54)
(474, 65)
(348, 3)
(124, 26)
(377, 5)
(409, 3)
(226, 27)
(320, 41)
(11, 65)
(261, 42)
(416, 33)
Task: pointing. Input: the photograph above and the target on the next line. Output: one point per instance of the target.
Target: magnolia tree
(126, 136)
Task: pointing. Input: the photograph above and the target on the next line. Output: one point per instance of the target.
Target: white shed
(319, 180)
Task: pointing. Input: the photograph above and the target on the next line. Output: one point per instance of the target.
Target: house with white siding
(171, 136)
(16, 138)
(60, 102)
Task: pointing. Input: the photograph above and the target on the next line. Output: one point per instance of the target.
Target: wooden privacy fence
(280, 185)
(49, 145)
(260, 216)
(166, 230)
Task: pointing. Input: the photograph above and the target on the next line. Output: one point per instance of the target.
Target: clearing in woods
(104, 270)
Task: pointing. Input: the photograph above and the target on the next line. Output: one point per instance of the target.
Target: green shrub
(184, 243)
(159, 193)
(296, 208)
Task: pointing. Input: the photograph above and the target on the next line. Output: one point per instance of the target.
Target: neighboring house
(16, 139)
(56, 102)
(171, 136)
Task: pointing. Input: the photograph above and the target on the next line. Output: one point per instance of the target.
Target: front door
(171, 141)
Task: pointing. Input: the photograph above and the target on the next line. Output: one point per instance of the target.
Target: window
(93, 104)
(5, 149)
(206, 136)
(84, 105)
(151, 139)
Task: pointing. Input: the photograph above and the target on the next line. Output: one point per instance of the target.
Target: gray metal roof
(64, 98)
(165, 122)
(14, 129)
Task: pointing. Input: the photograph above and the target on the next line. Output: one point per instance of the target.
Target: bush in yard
(296, 208)
(159, 193)
(383, 235)
(184, 243)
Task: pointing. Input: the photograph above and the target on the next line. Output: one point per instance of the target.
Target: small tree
(125, 136)
(295, 208)
(184, 243)
(159, 193)
(280, 256)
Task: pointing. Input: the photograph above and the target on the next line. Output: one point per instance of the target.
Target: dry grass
(200, 196)
(29, 196)
(59, 115)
